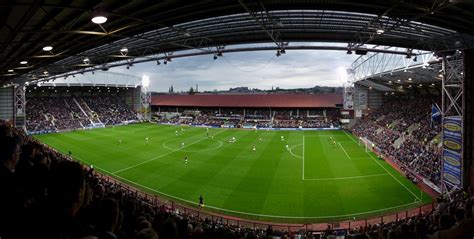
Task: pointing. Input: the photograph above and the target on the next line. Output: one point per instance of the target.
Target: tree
(191, 91)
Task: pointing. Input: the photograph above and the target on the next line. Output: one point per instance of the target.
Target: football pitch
(311, 180)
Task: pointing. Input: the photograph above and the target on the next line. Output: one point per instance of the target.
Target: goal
(367, 144)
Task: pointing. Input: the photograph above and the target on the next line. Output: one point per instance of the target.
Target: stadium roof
(249, 100)
(156, 29)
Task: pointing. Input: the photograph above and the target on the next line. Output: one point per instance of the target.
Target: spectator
(10, 197)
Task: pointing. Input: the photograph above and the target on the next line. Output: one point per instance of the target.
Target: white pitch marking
(291, 152)
(248, 213)
(344, 151)
(344, 178)
(303, 157)
(155, 158)
(387, 170)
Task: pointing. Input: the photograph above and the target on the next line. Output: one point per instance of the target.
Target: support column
(20, 106)
(146, 103)
(468, 143)
(452, 121)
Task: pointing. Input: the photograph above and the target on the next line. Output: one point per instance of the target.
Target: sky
(262, 70)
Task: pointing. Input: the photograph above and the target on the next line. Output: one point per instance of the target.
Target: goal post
(367, 144)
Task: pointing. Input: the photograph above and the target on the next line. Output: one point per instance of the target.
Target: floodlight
(124, 50)
(380, 31)
(11, 70)
(145, 81)
(342, 73)
(23, 62)
(86, 60)
(409, 79)
(99, 19)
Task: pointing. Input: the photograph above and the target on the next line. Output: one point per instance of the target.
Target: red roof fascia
(249, 100)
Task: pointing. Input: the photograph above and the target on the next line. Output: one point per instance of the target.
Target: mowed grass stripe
(266, 184)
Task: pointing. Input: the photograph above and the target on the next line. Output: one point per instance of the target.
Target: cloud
(261, 70)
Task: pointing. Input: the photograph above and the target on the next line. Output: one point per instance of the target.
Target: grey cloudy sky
(261, 70)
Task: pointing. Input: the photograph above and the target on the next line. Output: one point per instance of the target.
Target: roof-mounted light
(47, 48)
(99, 19)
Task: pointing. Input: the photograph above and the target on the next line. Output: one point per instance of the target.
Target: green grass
(314, 181)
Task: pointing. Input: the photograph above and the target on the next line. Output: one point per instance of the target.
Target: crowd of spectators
(57, 113)
(408, 121)
(452, 219)
(252, 118)
(110, 109)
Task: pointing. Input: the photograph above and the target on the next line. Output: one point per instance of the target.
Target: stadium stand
(50, 114)
(250, 110)
(402, 129)
(46, 195)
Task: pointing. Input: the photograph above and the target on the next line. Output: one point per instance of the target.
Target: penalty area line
(344, 151)
(344, 178)
(370, 155)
